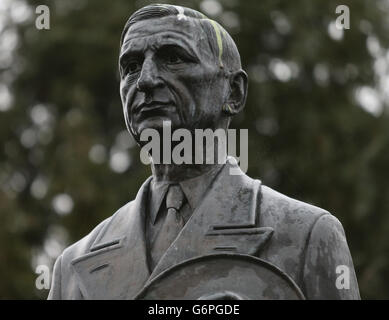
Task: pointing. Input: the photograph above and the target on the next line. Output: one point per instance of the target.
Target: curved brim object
(222, 277)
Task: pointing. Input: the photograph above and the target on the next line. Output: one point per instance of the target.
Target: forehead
(184, 30)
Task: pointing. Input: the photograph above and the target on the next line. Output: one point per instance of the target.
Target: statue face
(168, 72)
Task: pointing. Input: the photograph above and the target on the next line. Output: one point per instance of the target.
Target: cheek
(181, 88)
(123, 91)
(205, 90)
(126, 93)
(197, 82)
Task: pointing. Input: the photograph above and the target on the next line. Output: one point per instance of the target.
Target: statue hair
(220, 42)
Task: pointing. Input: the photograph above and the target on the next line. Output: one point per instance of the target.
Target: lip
(154, 105)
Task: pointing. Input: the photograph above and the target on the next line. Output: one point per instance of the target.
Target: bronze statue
(177, 65)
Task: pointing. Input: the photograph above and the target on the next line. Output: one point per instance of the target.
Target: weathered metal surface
(180, 66)
(222, 277)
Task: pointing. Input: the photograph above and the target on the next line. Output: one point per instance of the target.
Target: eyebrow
(160, 43)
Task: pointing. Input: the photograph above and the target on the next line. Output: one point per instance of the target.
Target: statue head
(178, 65)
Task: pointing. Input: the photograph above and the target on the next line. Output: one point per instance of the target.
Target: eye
(173, 58)
(172, 55)
(132, 66)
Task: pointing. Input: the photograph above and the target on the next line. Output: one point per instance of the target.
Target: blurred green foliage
(66, 163)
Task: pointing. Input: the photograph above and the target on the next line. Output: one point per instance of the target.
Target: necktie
(172, 225)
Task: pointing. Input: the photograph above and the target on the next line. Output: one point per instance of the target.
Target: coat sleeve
(328, 269)
(55, 290)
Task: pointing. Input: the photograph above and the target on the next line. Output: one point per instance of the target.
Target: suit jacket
(238, 214)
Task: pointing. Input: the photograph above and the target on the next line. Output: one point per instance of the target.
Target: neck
(206, 153)
(177, 173)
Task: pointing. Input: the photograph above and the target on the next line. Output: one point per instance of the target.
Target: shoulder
(281, 209)
(294, 222)
(301, 225)
(64, 283)
(84, 245)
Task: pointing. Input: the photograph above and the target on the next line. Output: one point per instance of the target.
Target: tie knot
(175, 197)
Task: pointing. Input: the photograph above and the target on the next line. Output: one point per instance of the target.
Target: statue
(177, 65)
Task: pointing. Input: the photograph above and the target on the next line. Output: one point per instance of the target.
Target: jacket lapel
(227, 220)
(116, 266)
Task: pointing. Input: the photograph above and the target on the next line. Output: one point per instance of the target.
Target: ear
(238, 94)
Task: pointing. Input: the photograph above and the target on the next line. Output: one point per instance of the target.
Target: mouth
(151, 106)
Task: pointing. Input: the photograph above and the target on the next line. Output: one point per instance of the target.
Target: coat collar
(193, 189)
(226, 220)
(116, 266)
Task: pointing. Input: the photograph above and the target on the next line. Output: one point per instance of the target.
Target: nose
(149, 76)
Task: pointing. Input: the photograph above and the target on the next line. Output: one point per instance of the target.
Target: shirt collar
(193, 189)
